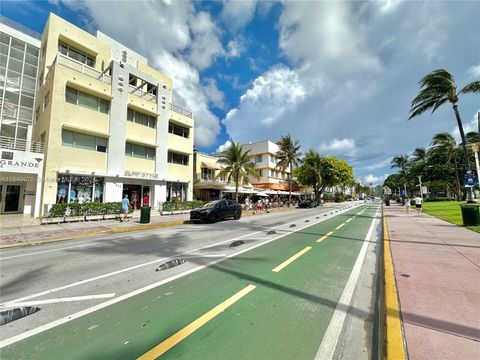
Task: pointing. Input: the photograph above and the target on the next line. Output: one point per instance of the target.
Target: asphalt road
(101, 298)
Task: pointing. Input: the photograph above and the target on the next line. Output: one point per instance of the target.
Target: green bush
(181, 205)
(82, 209)
(339, 197)
(440, 199)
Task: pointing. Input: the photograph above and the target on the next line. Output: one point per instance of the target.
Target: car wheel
(237, 215)
(212, 218)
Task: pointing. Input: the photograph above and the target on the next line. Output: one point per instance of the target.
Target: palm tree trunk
(290, 187)
(456, 177)
(462, 135)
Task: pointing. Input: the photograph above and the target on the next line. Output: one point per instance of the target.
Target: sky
(339, 76)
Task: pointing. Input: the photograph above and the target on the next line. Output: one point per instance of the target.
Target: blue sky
(339, 76)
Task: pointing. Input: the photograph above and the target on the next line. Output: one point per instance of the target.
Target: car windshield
(211, 204)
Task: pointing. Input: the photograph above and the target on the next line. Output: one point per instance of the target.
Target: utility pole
(420, 181)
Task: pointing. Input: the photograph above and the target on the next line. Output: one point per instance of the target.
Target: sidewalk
(32, 233)
(437, 273)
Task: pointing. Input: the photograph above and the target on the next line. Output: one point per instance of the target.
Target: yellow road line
(292, 259)
(173, 340)
(339, 226)
(394, 335)
(325, 236)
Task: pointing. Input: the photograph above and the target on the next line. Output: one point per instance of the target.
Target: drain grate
(13, 314)
(170, 264)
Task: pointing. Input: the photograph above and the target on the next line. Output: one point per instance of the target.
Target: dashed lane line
(325, 236)
(292, 259)
(340, 226)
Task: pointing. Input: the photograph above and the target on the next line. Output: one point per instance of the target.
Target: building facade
(103, 118)
(21, 162)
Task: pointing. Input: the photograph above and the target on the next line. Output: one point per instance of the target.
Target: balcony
(82, 68)
(181, 111)
(142, 94)
(21, 145)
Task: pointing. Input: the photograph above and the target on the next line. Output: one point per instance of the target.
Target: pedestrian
(418, 203)
(407, 205)
(125, 204)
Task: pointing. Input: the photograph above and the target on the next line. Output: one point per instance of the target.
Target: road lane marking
(292, 259)
(173, 340)
(325, 236)
(55, 323)
(61, 300)
(340, 226)
(330, 339)
(349, 220)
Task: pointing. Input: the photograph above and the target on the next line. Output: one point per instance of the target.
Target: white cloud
(387, 6)
(236, 14)
(224, 146)
(339, 146)
(370, 178)
(215, 96)
(235, 48)
(177, 40)
(474, 71)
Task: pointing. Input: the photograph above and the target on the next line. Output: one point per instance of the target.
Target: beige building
(108, 123)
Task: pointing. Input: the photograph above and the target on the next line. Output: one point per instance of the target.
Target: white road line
(69, 247)
(68, 318)
(330, 338)
(61, 300)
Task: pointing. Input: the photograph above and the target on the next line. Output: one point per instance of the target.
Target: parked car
(217, 210)
(307, 203)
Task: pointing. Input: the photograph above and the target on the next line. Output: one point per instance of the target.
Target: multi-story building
(21, 162)
(263, 154)
(108, 123)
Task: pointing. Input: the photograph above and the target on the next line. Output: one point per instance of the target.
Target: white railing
(180, 110)
(21, 145)
(83, 69)
(142, 94)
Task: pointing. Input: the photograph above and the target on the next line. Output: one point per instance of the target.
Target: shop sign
(20, 161)
(142, 175)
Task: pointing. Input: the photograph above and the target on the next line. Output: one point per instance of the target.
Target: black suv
(308, 203)
(216, 210)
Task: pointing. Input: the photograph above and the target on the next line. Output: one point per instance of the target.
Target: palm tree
(419, 154)
(236, 166)
(313, 161)
(401, 162)
(288, 155)
(446, 143)
(437, 88)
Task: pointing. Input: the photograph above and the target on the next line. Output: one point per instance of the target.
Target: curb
(394, 338)
(118, 230)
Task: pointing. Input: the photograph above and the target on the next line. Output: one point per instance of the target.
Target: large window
(139, 151)
(76, 54)
(178, 130)
(177, 158)
(177, 191)
(258, 158)
(76, 97)
(84, 141)
(141, 118)
(79, 189)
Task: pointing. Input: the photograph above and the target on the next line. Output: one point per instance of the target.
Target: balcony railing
(21, 145)
(142, 94)
(179, 110)
(19, 27)
(83, 69)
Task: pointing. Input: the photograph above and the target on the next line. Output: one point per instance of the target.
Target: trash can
(387, 202)
(145, 214)
(470, 214)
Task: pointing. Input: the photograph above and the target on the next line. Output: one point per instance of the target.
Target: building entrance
(138, 195)
(11, 199)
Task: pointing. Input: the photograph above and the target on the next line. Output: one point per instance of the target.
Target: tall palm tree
(236, 166)
(288, 155)
(419, 154)
(446, 143)
(437, 88)
(313, 161)
(401, 162)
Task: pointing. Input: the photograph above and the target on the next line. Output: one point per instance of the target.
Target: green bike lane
(283, 317)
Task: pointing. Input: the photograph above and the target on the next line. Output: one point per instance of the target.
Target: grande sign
(21, 161)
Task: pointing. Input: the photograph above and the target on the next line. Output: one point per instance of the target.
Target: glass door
(11, 198)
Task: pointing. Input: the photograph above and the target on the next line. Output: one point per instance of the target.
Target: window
(77, 97)
(75, 54)
(177, 158)
(80, 189)
(46, 100)
(84, 141)
(260, 173)
(139, 151)
(141, 118)
(177, 191)
(37, 113)
(178, 130)
(258, 158)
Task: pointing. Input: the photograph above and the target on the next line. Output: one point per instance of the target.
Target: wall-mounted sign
(141, 175)
(470, 178)
(21, 161)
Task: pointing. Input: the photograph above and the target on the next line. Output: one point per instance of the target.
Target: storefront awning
(210, 165)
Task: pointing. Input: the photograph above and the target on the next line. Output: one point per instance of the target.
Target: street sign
(470, 178)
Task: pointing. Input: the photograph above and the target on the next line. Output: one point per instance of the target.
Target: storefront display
(79, 189)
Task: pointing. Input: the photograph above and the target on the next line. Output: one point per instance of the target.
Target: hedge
(181, 205)
(339, 197)
(82, 209)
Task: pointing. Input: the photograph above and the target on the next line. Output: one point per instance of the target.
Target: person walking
(125, 204)
(407, 205)
(418, 204)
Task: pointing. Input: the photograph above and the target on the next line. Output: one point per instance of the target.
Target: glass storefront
(176, 191)
(79, 189)
(138, 195)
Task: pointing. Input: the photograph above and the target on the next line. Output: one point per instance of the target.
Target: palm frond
(473, 87)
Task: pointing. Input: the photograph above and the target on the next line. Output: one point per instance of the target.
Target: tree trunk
(462, 135)
(290, 187)
(456, 177)
(236, 188)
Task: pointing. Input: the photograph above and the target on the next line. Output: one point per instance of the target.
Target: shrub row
(441, 199)
(339, 197)
(181, 205)
(82, 209)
